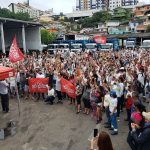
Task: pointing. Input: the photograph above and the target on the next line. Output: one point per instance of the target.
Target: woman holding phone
(101, 142)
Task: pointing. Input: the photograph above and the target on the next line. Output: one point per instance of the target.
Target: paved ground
(57, 127)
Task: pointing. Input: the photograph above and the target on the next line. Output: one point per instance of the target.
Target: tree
(102, 16)
(148, 28)
(47, 37)
(122, 14)
(20, 15)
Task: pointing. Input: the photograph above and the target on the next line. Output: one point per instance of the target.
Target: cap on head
(113, 94)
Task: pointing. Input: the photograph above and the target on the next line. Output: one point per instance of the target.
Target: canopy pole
(18, 100)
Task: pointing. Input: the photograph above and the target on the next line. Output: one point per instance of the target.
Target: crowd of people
(110, 81)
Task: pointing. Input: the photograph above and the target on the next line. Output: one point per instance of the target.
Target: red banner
(68, 88)
(100, 39)
(6, 72)
(38, 85)
(15, 53)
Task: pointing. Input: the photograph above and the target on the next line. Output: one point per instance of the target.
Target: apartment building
(20, 7)
(82, 5)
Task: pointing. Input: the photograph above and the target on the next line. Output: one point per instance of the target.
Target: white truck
(131, 43)
(51, 48)
(92, 47)
(105, 47)
(76, 47)
(63, 47)
(145, 44)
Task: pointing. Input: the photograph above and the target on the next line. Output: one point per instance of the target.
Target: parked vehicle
(105, 47)
(145, 44)
(131, 43)
(92, 47)
(76, 47)
(51, 48)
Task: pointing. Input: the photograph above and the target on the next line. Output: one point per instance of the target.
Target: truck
(105, 47)
(131, 43)
(51, 48)
(63, 47)
(76, 47)
(92, 47)
(145, 44)
(111, 44)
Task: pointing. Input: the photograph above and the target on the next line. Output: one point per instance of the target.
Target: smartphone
(95, 132)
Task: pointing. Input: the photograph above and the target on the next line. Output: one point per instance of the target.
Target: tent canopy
(6, 72)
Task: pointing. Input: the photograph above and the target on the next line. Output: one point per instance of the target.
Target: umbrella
(6, 72)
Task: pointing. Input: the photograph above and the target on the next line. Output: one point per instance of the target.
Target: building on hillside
(81, 14)
(82, 5)
(101, 28)
(141, 9)
(114, 4)
(45, 18)
(129, 2)
(142, 14)
(20, 7)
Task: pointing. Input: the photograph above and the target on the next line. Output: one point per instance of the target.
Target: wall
(33, 38)
(10, 33)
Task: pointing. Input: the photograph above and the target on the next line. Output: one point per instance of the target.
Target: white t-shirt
(40, 75)
(106, 100)
(3, 87)
(51, 92)
(121, 85)
(112, 104)
(12, 82)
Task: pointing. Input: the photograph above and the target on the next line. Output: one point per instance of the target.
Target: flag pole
(18, 99)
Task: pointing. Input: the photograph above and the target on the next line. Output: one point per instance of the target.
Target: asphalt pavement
(56, 127)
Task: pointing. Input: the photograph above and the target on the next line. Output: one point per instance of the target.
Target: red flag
(100, 39)
(68, 88)
(38, 85)
(15, 53)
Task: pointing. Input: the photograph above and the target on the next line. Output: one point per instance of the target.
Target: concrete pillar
(141, 41)
(2, 38)
(23, 38)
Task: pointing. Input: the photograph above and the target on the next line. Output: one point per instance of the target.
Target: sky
(65, 6)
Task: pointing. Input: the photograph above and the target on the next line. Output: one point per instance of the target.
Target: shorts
(99, 104)
(78, 98)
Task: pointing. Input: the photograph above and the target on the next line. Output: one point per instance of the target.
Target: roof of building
(22, 5)
(144, 5)
(14, 23)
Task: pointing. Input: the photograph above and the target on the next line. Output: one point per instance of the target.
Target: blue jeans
(108, 115)
(114, 121)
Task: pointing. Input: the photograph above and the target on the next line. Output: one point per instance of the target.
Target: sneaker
(114, 132)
